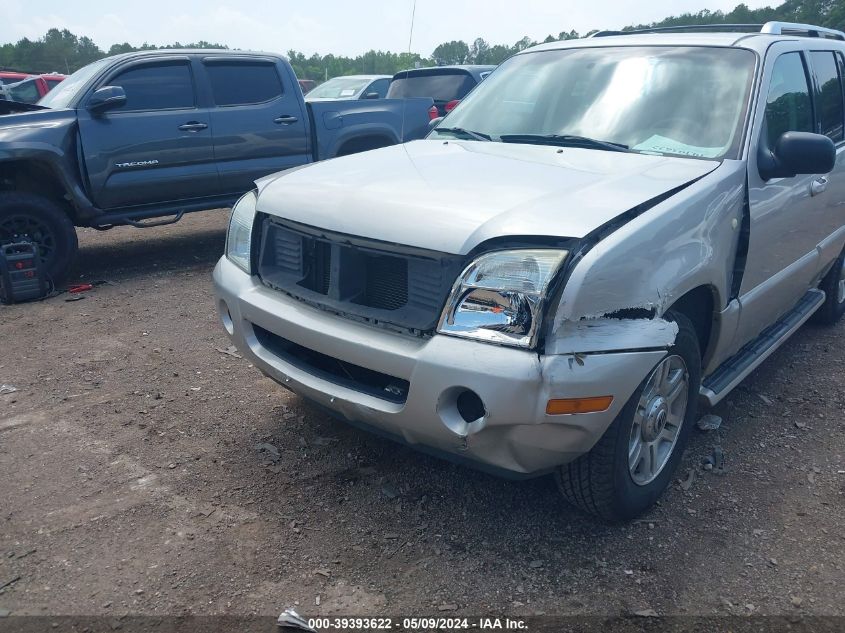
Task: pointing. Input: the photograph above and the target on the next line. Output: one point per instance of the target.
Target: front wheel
(26, 215)
(632, 464)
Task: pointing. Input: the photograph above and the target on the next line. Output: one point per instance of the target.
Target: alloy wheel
(658, 419)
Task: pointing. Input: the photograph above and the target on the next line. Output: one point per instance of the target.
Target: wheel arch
(699, 306)
(39, 177)
(363, 143)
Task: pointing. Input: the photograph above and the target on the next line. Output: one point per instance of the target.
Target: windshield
(339, 88)
(62, 95)
(436, 84)
(677, 101)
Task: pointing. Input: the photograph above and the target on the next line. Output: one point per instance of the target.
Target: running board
(734, 370)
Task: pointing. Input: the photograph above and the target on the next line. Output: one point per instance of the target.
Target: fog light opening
(470, 406)
(226, 318)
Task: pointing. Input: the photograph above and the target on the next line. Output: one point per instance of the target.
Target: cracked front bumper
(515, 435)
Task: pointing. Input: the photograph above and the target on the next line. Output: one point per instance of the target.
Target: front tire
(633, 463)
(833, 285)
(45, 223)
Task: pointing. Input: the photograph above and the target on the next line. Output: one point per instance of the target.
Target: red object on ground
(77, 288)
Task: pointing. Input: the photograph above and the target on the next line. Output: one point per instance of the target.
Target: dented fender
(612, 335)
(626, 276)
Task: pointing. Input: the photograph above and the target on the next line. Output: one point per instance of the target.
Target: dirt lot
(131, 481)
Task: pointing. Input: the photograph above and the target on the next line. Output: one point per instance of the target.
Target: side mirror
(797, 153)
(434, 123)
(107, 98)
(371, 95)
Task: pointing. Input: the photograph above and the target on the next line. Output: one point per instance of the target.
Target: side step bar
(730, 373)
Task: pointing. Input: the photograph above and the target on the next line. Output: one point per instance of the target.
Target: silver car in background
(351, 87)
(605, 233)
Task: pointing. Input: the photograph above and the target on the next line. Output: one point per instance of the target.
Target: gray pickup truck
(156, 134)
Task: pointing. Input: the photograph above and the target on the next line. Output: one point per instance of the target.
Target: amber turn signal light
(570, 406)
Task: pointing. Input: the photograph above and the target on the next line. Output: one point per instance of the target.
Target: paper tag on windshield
(347, 92)
(666, 145)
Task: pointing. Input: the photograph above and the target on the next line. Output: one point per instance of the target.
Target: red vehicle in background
(26, 88)
(12, 76)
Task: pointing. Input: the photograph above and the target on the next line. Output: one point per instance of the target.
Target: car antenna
(410, 42)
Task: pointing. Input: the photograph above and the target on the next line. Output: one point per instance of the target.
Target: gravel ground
(133, 480)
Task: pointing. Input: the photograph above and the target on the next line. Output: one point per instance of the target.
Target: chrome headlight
(499, 297)
(239, 235)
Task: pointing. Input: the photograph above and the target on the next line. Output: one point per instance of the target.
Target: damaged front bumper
(414, 389)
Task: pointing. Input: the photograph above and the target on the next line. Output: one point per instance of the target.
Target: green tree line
(62, 51)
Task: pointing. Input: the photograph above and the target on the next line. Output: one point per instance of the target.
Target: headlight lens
(239, 235)
(499, 297)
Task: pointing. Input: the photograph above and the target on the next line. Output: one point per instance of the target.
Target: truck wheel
(46, 224)
(833, 285)
(632, 464)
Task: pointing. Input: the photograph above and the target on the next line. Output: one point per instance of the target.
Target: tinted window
(52, 83)
(243, 83)
(440, 86)
(157, 87)
(380, 87)
(788, 106)
(829, 109)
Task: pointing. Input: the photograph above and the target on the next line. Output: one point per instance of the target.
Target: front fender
(618, 292)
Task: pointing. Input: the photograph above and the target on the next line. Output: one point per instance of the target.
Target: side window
(829, 109)
(788, 106)
(380, 86)
(243, 83)
(25, 91)
(157, 87)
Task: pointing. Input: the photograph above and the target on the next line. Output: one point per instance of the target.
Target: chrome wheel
(840, 287)
(658, 419)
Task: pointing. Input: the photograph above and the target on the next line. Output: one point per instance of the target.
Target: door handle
(285, 119)
(193, 126)
(819, 185)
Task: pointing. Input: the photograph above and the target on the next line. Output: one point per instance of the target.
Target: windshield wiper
(565, 140)
(459, 131)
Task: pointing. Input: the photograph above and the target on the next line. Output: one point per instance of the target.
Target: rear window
(440, 86)
(243, 83)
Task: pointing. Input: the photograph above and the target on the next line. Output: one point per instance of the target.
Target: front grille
(354, 276)
(334, 370)
(385, 282)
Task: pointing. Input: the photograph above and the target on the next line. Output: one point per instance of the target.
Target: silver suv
(604, 234)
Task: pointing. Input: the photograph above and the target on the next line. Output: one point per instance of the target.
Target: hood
(41, 125)
(452, 196)
(8, 107)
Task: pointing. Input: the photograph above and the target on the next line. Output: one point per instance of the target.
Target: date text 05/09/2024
(417, 624)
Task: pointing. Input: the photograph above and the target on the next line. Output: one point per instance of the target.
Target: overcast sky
(346, 27)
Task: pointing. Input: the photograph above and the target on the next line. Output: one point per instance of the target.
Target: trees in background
(62, 51)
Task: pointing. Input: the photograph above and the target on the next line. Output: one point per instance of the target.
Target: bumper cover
(515, 435)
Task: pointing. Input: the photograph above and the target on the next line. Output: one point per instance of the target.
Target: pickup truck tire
(833, 285)
(602, 482)
(46, 224)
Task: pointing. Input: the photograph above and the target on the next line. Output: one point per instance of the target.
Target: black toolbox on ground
(21, 274)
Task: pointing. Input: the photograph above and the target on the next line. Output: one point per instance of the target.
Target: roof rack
(769, 28)
(804, 30)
